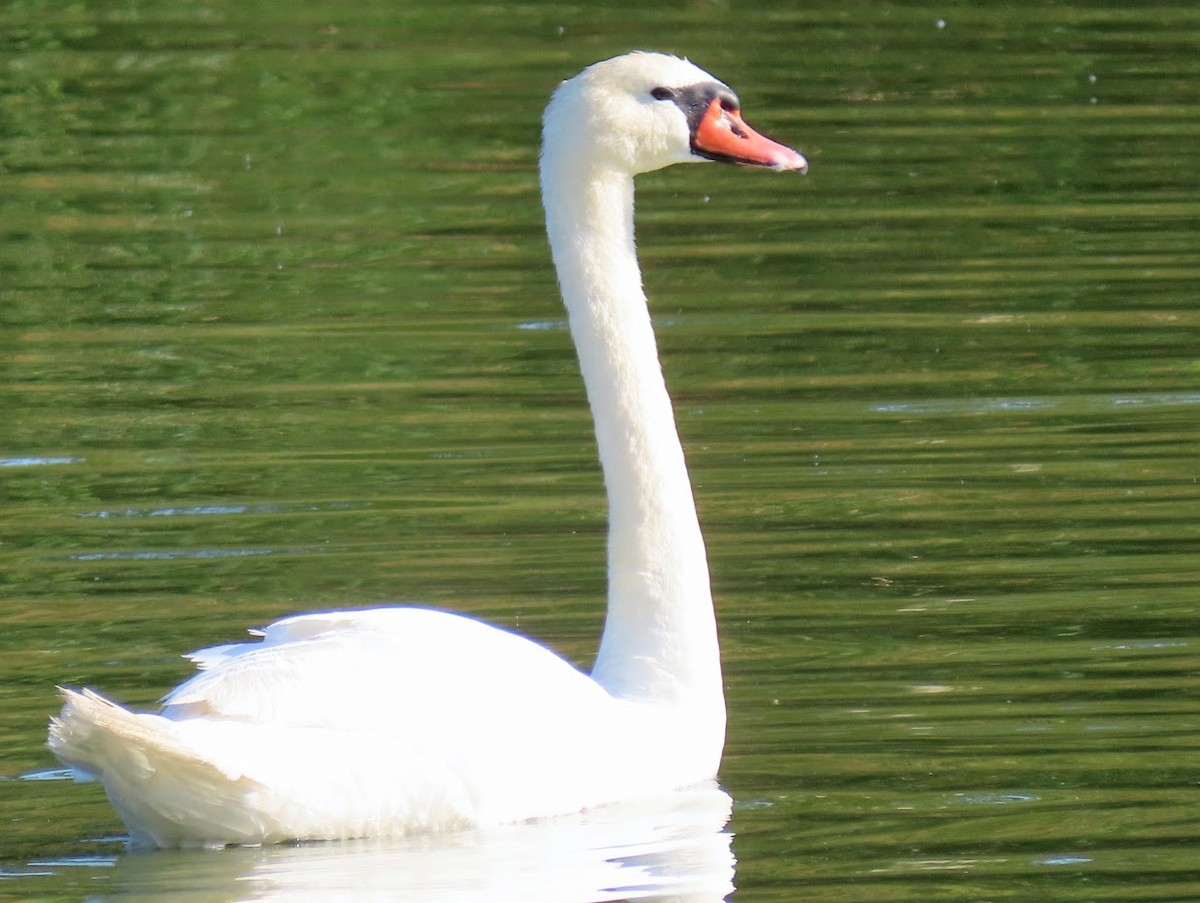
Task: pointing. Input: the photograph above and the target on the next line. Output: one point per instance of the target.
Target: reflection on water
(38, 462)
(669, 849)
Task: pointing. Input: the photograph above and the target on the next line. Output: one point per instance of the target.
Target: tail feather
(167, 793)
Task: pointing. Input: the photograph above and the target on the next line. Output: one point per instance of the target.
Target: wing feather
(366, 669)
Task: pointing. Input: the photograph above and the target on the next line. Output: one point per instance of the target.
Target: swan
(389, 721)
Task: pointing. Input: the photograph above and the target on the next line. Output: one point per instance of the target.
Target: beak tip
(792, 161)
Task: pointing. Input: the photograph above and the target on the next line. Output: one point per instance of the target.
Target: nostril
(733, 121)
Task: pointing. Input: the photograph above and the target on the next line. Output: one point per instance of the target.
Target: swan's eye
(662, 94)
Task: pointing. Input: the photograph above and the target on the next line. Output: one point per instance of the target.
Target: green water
(278, 331)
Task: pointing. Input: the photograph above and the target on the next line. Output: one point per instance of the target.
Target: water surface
(278, 331)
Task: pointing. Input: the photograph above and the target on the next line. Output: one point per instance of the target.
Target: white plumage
(351, 724)
(394, 720)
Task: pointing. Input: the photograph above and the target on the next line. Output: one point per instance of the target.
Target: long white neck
(660, 639)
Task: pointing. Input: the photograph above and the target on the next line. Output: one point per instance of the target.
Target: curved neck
(660, 637)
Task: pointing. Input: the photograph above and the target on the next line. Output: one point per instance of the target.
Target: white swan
(394, 720)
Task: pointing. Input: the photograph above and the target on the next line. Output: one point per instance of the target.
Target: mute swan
(394, 720)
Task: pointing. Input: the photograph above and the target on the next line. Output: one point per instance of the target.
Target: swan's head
(643, 111)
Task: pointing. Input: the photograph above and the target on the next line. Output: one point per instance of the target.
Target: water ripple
(220, 510)
(1004, 405)
(178, 554)
(40, 462)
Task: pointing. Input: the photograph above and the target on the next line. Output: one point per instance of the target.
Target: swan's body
(387, 721)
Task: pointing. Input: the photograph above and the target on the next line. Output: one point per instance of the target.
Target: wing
(402, 669)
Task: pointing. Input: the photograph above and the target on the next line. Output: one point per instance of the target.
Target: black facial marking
(695, 100)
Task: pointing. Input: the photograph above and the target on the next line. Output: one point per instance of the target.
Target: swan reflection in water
(674, 847)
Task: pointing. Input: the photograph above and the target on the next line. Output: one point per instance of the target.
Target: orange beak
(722, 135)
